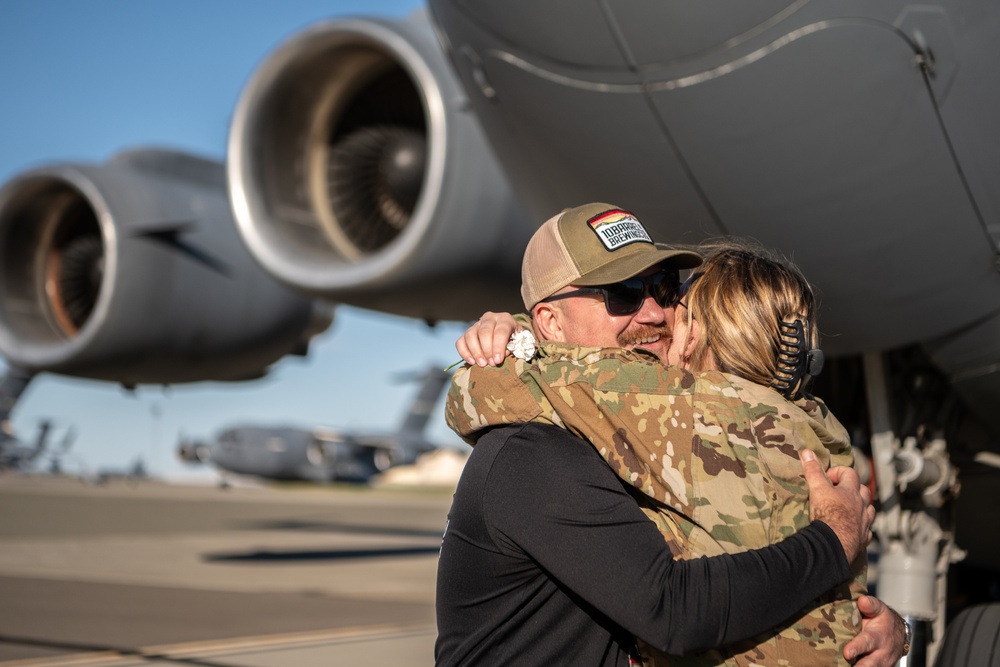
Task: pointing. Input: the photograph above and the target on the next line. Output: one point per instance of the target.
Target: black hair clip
(797, 365)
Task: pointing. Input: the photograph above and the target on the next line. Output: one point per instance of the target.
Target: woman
(710, 440)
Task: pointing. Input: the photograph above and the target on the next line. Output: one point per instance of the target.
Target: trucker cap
(593, 244)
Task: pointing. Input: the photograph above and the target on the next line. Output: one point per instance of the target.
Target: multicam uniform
(714, 456)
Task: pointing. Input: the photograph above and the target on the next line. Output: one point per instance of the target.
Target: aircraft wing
(356, 174)
(361, 170)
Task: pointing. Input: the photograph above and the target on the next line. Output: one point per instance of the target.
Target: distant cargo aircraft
(14, 453)
(132, 474)
(322, 454)
(17, 455)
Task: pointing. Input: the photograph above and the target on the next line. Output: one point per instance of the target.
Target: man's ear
(548, 322)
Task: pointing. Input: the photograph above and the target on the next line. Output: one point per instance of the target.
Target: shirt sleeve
(562, 506)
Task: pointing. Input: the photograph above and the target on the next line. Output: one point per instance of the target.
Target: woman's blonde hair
(747, 300)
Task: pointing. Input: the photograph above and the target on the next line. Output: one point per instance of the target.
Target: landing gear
(915, 481)
(973, 639)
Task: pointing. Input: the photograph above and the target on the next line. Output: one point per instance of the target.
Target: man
(547, 558)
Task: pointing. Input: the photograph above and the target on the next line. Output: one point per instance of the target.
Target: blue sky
(81, 80)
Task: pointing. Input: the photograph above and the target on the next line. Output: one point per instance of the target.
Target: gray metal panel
(568, 31)
(971, 359)
(693, 29)
(569, 135)
(829, 148)
(616, 150)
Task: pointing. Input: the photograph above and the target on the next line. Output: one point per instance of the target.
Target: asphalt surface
(150, 573)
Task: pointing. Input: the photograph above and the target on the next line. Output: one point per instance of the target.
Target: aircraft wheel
(972, 639)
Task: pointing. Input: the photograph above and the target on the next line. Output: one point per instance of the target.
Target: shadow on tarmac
(322, 554)
(331, 527)
(80, 647)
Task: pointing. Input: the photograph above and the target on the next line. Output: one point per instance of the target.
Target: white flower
(522, 344)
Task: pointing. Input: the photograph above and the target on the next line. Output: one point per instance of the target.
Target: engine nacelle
(132, 271)
(357, 172)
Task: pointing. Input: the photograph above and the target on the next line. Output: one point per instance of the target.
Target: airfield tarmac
(156, 574)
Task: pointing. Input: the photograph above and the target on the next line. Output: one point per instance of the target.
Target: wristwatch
(907, 636)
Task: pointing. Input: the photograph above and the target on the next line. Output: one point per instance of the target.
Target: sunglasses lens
(626, 297)
(663, 288)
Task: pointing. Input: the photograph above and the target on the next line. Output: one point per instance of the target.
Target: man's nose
(652, 312)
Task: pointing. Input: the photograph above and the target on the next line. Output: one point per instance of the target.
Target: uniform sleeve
(652, 423)
(562, 506)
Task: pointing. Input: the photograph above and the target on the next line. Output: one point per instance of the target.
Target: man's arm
(566, 509)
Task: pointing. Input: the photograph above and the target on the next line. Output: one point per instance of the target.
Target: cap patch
(617, 228)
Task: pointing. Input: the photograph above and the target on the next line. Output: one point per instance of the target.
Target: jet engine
(358, 172)
(132, 271)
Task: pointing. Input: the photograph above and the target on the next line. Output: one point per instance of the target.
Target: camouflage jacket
(714, 456)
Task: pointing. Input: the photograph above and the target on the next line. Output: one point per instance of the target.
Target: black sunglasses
(626, 297)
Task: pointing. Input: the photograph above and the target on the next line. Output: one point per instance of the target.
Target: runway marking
(188, 650)
(101, 658)
(239, 644)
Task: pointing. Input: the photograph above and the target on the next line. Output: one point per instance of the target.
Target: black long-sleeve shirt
(547, 560)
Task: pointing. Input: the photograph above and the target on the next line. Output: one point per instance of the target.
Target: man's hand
(837, 498)
(880, 642)
(485, 342)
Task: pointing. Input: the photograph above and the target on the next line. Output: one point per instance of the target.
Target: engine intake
(357, 173)
(132, 271)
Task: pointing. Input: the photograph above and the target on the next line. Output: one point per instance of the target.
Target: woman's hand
(485, 342)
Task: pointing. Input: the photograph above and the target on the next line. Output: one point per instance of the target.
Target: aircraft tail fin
(12, 385)
(419, 413)
(42, 440)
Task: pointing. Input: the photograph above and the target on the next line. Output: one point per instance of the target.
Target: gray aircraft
(322, 454)
(15, 454)
(401, 165)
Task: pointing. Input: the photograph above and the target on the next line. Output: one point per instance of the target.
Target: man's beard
(642, 333)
